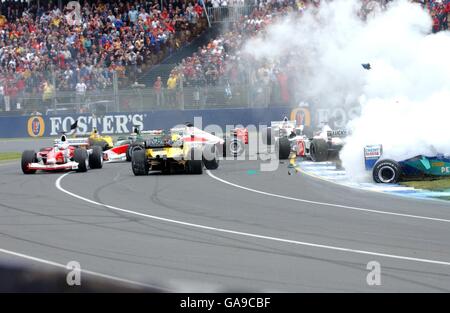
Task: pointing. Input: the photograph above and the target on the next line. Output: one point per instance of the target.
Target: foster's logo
(36, 126)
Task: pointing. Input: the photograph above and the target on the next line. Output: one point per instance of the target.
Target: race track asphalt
(19, 145)
(221, 237)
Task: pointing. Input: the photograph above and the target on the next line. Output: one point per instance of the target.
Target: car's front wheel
(319, 150)
(283, 148)
(28, 156)
(131, 149)
(96, 157)
(81, 157)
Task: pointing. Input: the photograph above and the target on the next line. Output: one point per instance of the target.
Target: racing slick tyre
(28, 156)
(194, 167)
(194, 164)
(96, 157)
(319, 150)
(139, 163)
(233, 147)
(386, 172)
(131, 148)
(268, 136)
(81, 157)
(283, 148)
(210, 157)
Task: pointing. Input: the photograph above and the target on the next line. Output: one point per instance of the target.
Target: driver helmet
(60, 144)
(94, 133)
(176, 139)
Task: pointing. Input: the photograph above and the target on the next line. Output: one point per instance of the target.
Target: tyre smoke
(403, 97)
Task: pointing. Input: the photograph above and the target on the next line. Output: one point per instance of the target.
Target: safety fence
(230, 13)
(138, 98)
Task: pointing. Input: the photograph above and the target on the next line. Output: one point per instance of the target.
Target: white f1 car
(66, 154)
(323, 146)
(283, 133)
(291, 138)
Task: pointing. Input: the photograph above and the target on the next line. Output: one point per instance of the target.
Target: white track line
(244, 234)
(326, 203)
(51, 263)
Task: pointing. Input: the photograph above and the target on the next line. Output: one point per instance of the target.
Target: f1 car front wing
(54, 167)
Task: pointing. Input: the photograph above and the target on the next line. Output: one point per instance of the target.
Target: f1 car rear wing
(339, 133)
(187, 134)
(152, 132)
(283, 124)
(75, 142)
(194, 134)
(372, 154)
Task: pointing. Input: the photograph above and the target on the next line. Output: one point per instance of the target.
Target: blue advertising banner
(21, 126)
(122, 123)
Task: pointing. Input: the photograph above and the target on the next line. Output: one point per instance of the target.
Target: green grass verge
(5, 156)
(433, 185)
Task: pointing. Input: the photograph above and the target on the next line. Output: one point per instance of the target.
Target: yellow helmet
(94, 133)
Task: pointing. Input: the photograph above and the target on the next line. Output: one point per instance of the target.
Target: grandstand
(47, 49)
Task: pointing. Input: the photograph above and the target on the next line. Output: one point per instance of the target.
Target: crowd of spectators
(222, 64)
(439, 9)
(43, 49)
(222, 71)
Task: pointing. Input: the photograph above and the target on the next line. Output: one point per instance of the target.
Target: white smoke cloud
(405, 97)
